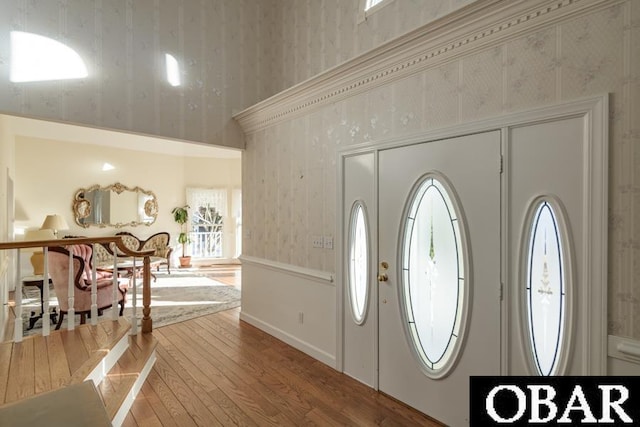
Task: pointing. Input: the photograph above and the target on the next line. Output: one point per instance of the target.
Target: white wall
(295, 306)
(289, 170)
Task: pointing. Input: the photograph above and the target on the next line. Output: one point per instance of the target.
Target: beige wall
(49, 172)
(289, 173)
(220, 45)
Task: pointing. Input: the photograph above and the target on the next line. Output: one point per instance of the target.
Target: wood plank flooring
(39, 364)
(218, 371)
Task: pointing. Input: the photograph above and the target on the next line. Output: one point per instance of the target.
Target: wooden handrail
(146, 274)
(75, 241)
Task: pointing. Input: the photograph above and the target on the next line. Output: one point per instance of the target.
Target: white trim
(108, 361)
(119, 417)
(303, 346)
(470, 29)
(591, 105)
(323, 277)
(624, 348)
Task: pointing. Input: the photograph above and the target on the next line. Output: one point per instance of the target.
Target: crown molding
(478, 26)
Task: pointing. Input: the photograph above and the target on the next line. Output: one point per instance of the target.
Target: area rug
(174, 298)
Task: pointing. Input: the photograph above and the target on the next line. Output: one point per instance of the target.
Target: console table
(39, 282)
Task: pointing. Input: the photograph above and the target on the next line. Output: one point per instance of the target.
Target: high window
(372, 3)
(38, 58)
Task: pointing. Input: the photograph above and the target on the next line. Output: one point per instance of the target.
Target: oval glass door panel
(433, 275)
(358, 262)
(545, 289)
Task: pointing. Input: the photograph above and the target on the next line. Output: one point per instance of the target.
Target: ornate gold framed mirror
(114, 205)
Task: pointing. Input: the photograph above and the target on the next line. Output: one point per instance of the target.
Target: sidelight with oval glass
(114, 205)
(358, 262)
(546, 289)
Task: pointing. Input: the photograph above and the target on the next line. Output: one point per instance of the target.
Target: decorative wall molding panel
(471, 29)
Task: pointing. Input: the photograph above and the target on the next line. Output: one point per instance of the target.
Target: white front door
(439, 247)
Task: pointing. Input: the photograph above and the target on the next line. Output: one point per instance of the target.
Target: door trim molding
(595, 110)
(593, 274)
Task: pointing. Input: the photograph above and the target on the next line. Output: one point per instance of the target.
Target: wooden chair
(59, 274)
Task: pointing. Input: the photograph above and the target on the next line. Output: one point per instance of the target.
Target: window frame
(566, 246)
(359, 320)
(454, 350)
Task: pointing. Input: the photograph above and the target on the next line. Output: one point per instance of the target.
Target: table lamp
(54, 222)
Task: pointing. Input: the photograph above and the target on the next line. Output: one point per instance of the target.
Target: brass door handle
(382, 275)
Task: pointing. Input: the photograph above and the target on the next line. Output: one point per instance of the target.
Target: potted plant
(181, 216)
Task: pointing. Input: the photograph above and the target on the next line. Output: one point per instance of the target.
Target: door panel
(360, 335)
(545, 162)
(470, 165)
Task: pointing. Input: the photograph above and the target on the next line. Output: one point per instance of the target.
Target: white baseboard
(305, 347)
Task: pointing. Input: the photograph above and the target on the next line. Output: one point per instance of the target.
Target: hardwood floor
(218, 371)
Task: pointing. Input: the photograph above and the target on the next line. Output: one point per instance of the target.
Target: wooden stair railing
(146, 323)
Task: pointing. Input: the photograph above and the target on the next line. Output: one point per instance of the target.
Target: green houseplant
(181, 216)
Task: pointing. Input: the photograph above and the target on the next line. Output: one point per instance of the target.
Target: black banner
(525, 401)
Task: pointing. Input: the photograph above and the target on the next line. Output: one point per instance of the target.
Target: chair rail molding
(470, 29)
(624, 348)
(322, 277)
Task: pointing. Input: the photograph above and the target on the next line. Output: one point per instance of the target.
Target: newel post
(147, 323)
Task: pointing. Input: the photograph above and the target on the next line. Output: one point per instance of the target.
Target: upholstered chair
(82, 276)
(159, 242)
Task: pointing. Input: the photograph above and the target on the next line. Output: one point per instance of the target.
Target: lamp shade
(37, 257)
(44, 234)
(54, 222)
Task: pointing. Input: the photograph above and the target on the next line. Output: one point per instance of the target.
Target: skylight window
(38, 58)
(372, 3)
(173, 70)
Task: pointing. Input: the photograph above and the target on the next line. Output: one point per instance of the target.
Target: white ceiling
(80, 134)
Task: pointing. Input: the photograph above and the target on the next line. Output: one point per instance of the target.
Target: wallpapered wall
(220, 44)
(311, 36)
(289, 170)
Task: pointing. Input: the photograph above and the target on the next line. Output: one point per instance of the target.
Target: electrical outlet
(328, 242)
(301, 317)
(317, 241)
